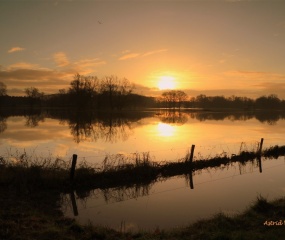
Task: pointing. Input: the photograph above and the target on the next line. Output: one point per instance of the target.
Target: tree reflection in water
(118, 126)
(173, 117)
(3, 124)
(110, 127)
(33, 120)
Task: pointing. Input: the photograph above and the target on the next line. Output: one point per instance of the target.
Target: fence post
(191, 154)
(260, 147)
(73, 165)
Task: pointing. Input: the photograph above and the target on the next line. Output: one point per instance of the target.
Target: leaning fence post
(73, 165)
(191, 154)
(260, 147)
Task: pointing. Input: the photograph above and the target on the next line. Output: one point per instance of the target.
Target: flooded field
(166, 136)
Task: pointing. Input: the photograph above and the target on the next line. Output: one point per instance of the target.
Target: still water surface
(172, 203)
(167, 136)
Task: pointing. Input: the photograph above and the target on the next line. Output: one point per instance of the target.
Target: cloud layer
(20, 75)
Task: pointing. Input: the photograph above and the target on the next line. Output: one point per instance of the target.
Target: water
(171, 203)
(167, 136)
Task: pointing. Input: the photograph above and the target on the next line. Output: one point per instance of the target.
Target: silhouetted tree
(3, 124)
(33, 120)
(173, 98)
(115, 91)
(204, 101)
(83, 90)
(271, 101)
(3, 92)
(34, 95)
(3, 89)
(180, 97)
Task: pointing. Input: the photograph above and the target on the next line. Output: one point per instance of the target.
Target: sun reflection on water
(165, 130)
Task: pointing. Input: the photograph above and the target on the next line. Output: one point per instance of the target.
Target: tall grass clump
(32, 171)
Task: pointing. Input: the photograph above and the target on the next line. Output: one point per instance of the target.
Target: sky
(212, 47)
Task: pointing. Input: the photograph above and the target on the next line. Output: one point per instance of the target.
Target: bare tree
(3, 89)
(33, 92)
(109, 86)
(180, 97)
(173, 98)
(84, 89)
(116, 90)
(34, 95)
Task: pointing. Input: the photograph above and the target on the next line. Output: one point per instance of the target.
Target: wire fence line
(201, 151)
(206, 151)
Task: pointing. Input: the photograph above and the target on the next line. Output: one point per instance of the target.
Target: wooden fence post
(73, 165)
(191, 154)
(260, 147)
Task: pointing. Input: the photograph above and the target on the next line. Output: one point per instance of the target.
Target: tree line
(264, 102)
(109, 92)
(112, 92)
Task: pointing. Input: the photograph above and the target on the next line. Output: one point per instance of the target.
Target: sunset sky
(214, 47)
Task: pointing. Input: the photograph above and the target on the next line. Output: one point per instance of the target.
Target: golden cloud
(154, 52)
(256, 75)
(61, 59)
(16, 49)
(128, 56)
(23, 65)
(48, 81)
(86, 66)
(21, 75)
(135, 55)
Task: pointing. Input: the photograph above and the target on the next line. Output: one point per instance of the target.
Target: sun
(166, 82)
